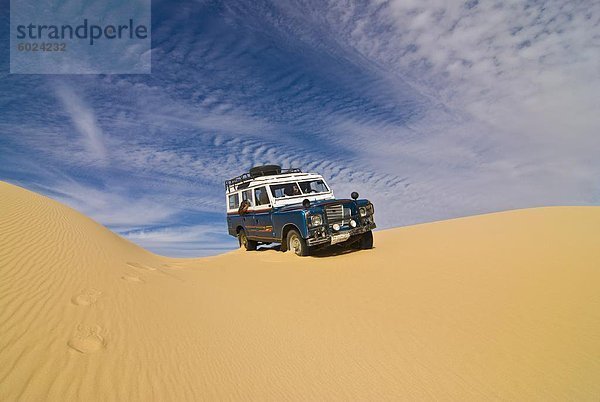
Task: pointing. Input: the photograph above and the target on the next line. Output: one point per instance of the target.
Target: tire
(355, 243)
(296, 243)
(265, 170)
(366, 241)
(249, 245)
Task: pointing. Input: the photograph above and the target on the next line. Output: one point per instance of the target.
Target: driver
(292, 190)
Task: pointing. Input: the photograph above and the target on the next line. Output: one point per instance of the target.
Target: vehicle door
(262, 225)
(233, 218)
(247, 218)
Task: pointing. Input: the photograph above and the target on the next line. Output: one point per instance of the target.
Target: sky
(431, 109)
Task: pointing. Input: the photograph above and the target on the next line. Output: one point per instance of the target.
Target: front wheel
(296, 243)
(249, 245)
(366, 241)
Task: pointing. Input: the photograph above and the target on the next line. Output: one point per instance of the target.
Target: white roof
(274, 179)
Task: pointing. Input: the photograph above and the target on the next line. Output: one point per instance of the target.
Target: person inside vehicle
(292, 190)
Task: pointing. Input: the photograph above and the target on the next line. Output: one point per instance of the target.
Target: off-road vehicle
(273, 205)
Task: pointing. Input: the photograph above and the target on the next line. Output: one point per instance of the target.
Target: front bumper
(323, 235)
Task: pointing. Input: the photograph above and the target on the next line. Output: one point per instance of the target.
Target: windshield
(313, 186)
(298, 189)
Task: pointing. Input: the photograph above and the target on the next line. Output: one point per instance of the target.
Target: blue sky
(431, 110)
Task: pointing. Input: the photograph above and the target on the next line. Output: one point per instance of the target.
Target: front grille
(335, 213)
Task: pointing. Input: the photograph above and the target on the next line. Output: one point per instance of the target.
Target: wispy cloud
(114, 207)
(186, 241)
(529, 70)
(84, 121)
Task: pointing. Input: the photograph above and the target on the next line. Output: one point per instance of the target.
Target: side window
(260, 196)
(247, 196)
(234, 201)
(278, 190)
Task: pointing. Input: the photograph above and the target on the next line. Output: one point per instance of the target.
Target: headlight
(316, 220)
(362, 211)
(370, 209)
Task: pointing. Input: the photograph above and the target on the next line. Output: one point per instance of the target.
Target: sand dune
(500, 306)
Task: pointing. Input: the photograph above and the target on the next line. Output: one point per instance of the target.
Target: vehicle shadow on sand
(331, 251)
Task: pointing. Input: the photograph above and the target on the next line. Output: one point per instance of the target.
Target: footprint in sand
(172, 267)
(132, 278)
(87, 339)
(144, 267)
(86, 298)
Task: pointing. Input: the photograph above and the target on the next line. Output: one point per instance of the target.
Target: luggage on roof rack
(258, 171)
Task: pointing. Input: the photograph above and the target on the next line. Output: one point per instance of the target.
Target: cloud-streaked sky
(430, 109)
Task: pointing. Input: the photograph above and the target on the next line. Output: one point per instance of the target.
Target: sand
(504, 306)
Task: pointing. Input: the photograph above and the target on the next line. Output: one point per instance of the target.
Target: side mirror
(306, 203)
(354, 195)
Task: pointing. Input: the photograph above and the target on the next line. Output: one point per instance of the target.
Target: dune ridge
(497, 306)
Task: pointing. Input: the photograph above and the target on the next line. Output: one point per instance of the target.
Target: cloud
(113, 207)
(186, 241)
(529, 69)
(84, 120)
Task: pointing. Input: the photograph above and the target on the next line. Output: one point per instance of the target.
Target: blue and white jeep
(273, 205)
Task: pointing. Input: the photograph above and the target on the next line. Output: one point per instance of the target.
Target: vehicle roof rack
(258, 171)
